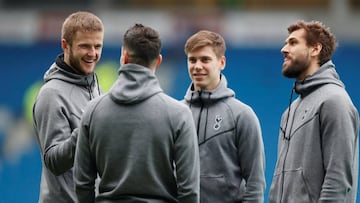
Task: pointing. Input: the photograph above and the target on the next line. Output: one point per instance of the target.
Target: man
(318, 141)
(232, 156)
(140, 141)
(70, 83)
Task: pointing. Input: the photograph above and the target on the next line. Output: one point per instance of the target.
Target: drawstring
(191, 98)
(286, 138)
(88, 87)
(199, 118)
(206, 118)
(288, 115)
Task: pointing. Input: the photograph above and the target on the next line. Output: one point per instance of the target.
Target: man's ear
(124, 57)
(158, 61)
(316, 49)
(64, 45)
(222, 62)
(156, 64)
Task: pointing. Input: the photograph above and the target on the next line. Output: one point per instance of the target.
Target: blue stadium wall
(254, 74)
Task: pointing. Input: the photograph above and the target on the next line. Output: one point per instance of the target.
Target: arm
(251, 156)
(56, 139)
(187, 159)
(84, 167)
(339, 134)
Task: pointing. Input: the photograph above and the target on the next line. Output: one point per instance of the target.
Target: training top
(318, 143)
(140, 141)
(56, 114)
(232, 160)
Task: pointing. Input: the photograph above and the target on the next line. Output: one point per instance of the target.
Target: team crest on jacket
(218, 120)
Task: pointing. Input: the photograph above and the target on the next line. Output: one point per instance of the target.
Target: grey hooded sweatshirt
(56, 115)
(140, 141)
(318, 143)
(232, 160)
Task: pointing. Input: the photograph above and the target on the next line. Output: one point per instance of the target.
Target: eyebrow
(291, 39)
(200, 57)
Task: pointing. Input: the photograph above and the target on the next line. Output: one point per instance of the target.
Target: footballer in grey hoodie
(232, 160)
(57, 112)
(318, 148)
(69, 84)
(140, 141)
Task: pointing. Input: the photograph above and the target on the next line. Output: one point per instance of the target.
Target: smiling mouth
(89, 61)
(198, 76)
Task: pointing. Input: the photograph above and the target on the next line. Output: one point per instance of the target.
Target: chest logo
(305, 113)
(218, 120)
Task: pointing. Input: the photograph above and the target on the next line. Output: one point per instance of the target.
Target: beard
(296, 67)
(74, 62)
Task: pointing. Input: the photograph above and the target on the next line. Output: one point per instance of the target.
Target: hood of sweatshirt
(61, 71)
(325, 75)
(209, 96)
(134, 84)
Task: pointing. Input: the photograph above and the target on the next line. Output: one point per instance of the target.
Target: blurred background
(254, 30)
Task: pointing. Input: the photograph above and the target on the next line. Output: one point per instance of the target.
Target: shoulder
(334, 95)
(171, 102)
(334, 100)
(238, 106)
(95, 106)
(94, 103)
(49, 94)
(174, 108)
(54, 88)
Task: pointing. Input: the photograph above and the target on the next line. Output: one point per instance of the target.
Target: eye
(293, 42)
(84, 46)
(192, 60)
(205, 60)
(99, 46)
